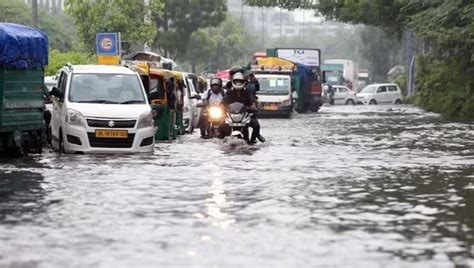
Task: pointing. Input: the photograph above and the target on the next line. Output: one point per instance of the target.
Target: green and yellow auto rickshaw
(163, 99)
(160, 86)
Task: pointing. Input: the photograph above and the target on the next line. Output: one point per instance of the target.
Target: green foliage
(446, 86)
(60, 31)
(180, 19)
(203, 47)
(124, 16)
(234, 44)
(217, 48)
(58, 59)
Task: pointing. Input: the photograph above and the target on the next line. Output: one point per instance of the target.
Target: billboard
(310, 57)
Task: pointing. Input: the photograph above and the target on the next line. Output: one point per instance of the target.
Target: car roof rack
(69, 66)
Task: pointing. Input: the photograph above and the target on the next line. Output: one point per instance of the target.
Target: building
(274, 22)
(50, 5)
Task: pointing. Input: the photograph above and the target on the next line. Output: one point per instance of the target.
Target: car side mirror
(196, 97)
(56, 93)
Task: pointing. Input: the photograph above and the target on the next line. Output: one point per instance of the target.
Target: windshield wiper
(98, 101)
(132, 101)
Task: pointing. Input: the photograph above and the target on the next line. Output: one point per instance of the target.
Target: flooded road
(354, 186)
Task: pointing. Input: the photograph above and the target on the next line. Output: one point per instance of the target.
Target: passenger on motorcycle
(237, 93)
(211, 98)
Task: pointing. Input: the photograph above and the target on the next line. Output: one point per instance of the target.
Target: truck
(349, 72)
(23, 55)
(308, 78)
(275, 79)
(333, 73)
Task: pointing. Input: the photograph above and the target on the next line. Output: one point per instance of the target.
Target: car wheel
(398, 102)
(350, 102)
(373, 102)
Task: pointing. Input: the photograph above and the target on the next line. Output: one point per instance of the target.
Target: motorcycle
(238, 119)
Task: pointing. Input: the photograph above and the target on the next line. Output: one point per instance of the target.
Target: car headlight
(215, 112)
(145, 120)
(75, 118)
(286, 102)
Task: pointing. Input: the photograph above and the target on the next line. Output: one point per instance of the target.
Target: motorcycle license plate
(237, 124)
(114, 134)
(270, 107)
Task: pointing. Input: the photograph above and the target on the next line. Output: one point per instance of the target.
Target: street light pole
(34, 15)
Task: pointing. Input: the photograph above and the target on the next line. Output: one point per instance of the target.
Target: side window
(62, 81)
(392, 89)
(382, 89)
(157, 90)
(343, 90)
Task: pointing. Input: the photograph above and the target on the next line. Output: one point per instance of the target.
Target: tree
(202, 49)
(124, 16)
(58, 59)
(180, 19)
(234, 44)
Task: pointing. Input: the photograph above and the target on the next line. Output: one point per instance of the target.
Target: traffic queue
(128, 106)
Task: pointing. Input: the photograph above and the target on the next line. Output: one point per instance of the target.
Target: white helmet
(238, 81)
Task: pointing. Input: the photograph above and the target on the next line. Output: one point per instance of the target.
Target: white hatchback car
(380, 94)
(101, 109)
(344, 96)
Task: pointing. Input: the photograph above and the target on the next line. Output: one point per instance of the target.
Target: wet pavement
(351, 186)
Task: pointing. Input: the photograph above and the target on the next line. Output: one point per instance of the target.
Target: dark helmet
(237, 69)
(216, 81)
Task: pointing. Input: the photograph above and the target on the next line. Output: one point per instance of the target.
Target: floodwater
(355, 186)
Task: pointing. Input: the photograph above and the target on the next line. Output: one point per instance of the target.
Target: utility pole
(281, 21)
(241, 11)
(263, 28)
(34, 15)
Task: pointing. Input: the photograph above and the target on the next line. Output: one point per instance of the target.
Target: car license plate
(270, 107)
(115, 134)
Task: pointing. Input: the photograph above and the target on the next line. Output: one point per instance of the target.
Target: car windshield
(274, 85)
(106, 88)
(369, 89)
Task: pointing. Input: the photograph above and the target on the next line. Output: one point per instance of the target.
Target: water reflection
(360, 185)
(21, 196)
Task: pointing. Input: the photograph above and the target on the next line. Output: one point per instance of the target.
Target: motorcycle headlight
(75, 118)
(145, 120)
(215, 112)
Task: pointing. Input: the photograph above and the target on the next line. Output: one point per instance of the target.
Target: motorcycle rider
(237, 93)
(211, 97)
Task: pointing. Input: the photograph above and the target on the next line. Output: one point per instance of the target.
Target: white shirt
(214, 99)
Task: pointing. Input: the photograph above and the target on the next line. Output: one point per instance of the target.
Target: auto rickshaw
(160, 87)
(163, 99)
(202, 82)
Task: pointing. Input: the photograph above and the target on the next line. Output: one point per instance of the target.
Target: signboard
(310, 57)
(107, 44)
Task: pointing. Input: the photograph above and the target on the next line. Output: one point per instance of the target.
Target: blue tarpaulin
(22, 46)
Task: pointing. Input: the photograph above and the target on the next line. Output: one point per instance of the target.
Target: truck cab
(275, 94)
